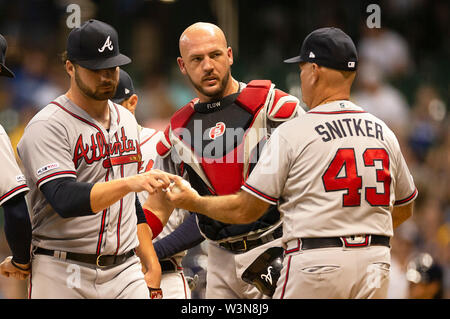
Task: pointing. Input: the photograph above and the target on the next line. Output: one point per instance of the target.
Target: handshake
(165, 192)
(174, 188)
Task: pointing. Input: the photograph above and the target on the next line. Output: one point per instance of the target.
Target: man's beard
(95, 94)
(218, 93)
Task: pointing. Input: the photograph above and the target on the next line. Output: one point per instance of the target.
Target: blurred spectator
(9, 116)
(16, 133)
(402, 244)
(434, 229)
(425, 277)
(429, 219)
(428, 120)
(146, 47)
(180, 90)
(381, 99)
(157, 105)
(387, 50)
(32, 85)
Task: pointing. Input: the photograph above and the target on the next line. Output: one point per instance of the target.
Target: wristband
(155, 293)
(154, 222)
(19, 267)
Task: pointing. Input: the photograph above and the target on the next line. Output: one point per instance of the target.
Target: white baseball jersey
(149, 138)
(63, 140)
(334, 171)
(12, 181)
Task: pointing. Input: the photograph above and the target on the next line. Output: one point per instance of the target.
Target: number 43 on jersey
(345, 160)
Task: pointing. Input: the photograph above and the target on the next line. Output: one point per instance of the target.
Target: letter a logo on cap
(351, 64)
(311, 54)
(108, 44)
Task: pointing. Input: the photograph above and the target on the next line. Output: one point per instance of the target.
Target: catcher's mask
(264, 272)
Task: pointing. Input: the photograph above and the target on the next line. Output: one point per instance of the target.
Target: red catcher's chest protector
(259, 101)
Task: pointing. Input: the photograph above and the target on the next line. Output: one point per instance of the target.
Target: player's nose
(207, 64)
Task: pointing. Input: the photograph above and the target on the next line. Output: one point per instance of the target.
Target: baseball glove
(264, 272)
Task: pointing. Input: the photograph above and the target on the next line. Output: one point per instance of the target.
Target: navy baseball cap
(125, 88)
(95, 45)
(4, 71)
(329, 47)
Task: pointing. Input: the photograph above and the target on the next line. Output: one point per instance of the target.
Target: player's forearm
(159, 206)
(401, 213)
(18, 228)
(230, 209)
(104, 194)
(184, 237)
(148, 257)
(239, 208)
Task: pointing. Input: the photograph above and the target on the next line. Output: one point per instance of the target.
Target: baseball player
(342, 185)
(81, 156)
(214, 142)
(13, 188)
(173, 281)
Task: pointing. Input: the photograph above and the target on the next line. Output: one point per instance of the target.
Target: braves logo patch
(268, 276)
(216, 131)
(46, 168)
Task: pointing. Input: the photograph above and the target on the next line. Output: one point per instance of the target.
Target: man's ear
(181, 65)
(131, 103)
(70, 68)
(315, 73)
(230, 55)
(134, 101)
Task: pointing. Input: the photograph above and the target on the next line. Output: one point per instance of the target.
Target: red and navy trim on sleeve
(259, 194)
(43, 179)
(407, 199)
(13, 192)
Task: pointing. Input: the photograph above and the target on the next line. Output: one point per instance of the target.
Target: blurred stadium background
(403, 78)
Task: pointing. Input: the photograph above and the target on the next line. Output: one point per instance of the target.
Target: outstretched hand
(182, 195)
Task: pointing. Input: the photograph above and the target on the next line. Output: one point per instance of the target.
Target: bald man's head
(206, 60)
(201, 32)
